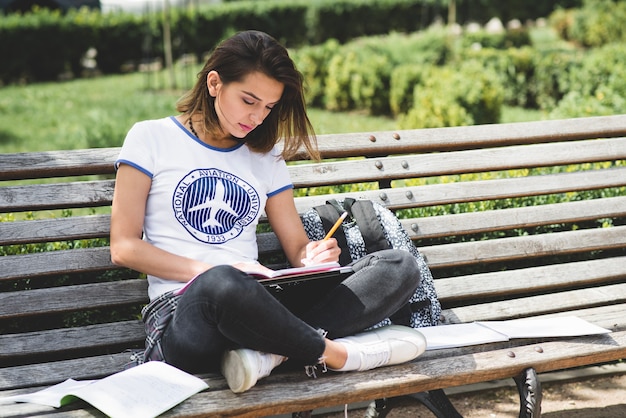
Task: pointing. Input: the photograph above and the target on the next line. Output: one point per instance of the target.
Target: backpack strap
(363, 213)
(329, 215)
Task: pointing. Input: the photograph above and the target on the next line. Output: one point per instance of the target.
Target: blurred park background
(78, 74)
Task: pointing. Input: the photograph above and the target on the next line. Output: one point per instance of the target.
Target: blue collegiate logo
(215, 206)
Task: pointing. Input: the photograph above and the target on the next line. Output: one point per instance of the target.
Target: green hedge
(60, 40)
(597, 23)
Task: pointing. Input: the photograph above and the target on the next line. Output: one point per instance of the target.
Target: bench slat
(469, 137)
(515, 248)
(31, 165)
(458, 162)
(43, 374)
(509, 283)
(521, 217)
(57, 229)
(72, 298)
(54, 196)
(538, 304)
(56, 262)
(474, 191)
(126, 334)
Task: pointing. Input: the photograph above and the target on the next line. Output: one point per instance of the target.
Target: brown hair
(234, 59)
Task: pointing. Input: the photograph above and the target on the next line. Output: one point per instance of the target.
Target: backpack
(371, 227)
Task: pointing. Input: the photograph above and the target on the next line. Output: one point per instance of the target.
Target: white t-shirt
(204, 202)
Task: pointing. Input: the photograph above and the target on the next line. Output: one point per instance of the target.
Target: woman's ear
(213, 82)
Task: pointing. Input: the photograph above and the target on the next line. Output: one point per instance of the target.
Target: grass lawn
(86, 113)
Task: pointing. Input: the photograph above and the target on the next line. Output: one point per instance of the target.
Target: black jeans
(225, 308)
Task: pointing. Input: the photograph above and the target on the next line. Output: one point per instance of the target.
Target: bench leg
(529, 389)
(438, 403)
(378, 409)
(435, 400)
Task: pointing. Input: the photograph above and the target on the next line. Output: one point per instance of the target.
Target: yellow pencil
(336, 225)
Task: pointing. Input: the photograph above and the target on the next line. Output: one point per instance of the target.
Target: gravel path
(589, 395)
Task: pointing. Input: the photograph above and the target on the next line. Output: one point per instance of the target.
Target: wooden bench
(66, 311)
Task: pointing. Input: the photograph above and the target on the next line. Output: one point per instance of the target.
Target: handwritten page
(461, 335)
(145, 391)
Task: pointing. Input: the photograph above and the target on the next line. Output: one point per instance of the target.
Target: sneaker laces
(311, 370)
(374, 355)
(267, 362)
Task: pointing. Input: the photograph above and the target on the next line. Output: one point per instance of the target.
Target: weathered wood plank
(475, 191)
(538, 304)
(469, 137)
(56, 229)
(513, 218)
(66, 340)
(458, 162)
(56, 196)
(507, 284)
(72, 298)
(514, 248)
(31, 165)
(44, 374)
(56, 262)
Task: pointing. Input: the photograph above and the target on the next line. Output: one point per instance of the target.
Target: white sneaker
(243, 367)
(393, 344)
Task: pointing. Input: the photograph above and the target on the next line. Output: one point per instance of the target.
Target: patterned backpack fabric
(368, 228)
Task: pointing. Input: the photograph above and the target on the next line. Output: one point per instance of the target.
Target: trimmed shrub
(470, 95)
(552, 80)
(599, 22)
(515, 67)
(313, 63)
(404, 78)
(604, 102)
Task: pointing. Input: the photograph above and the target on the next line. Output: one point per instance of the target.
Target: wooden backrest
(514, 220)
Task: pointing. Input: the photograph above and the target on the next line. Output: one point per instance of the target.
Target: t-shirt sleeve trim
(282, 189)
(132, 164)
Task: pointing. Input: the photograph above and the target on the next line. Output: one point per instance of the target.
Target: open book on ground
(144, 391)
(461, 335)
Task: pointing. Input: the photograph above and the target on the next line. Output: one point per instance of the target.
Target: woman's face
(243, 105)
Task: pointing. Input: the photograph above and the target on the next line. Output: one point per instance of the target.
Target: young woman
(189, 193)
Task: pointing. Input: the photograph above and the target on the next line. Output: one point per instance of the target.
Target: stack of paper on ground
(144, 391)
(460, 335)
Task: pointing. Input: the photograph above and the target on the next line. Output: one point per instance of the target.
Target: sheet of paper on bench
(143, 391)
(461, 335)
